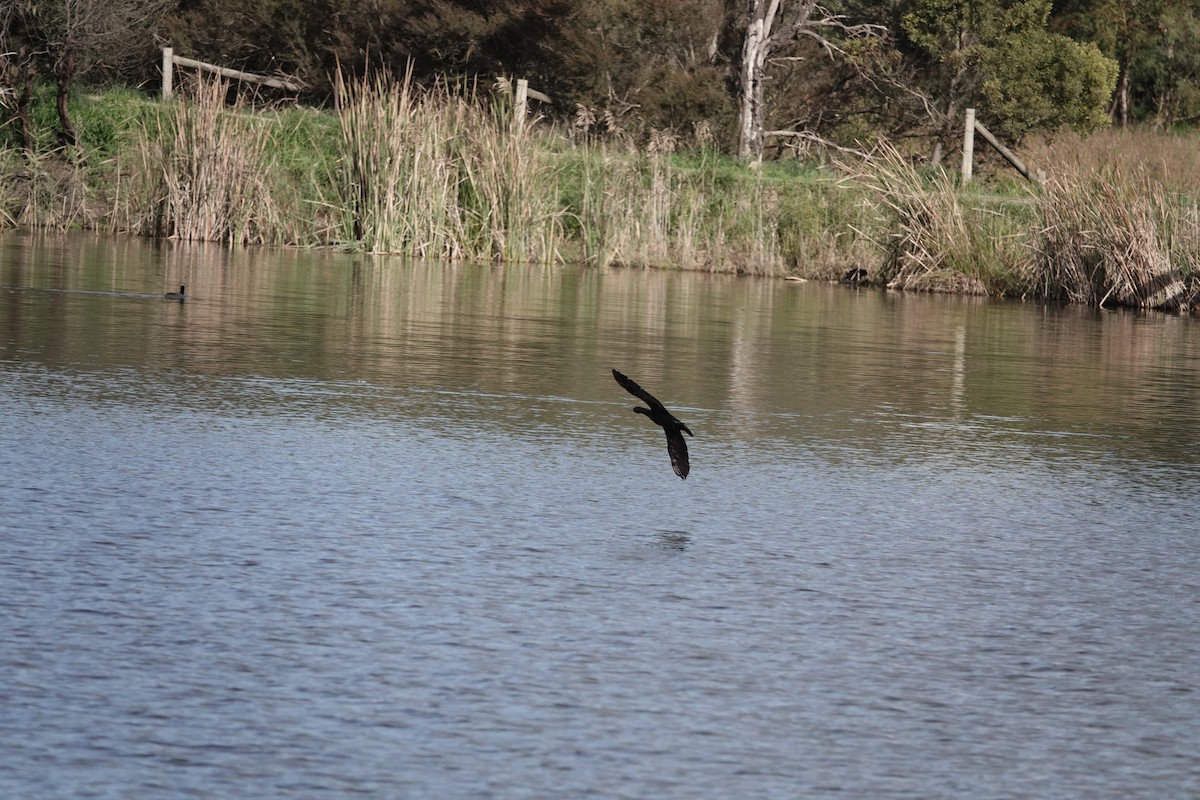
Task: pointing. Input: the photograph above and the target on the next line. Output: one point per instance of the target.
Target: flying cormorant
(659, 415)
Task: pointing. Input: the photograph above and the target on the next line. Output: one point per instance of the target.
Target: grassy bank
(1117, 224)
(432, 173)
(446, 173)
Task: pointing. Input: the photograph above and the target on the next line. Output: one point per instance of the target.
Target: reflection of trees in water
(754, 363)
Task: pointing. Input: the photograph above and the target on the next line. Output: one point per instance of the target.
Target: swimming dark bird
(854, 277)
(181, 295)
(658, 414)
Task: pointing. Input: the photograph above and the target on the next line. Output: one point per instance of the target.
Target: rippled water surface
(349, 526)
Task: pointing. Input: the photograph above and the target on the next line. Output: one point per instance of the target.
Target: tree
(1168, 81)
(1154, 42)
(66, 39)
(16, 73)
(998, 53)
(1041, 81)
(1120, 28)
(770, 25)
(640, 64)
(652, 63)
(307, 39)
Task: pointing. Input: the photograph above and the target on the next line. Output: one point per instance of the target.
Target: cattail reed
(1113, 238)
(936, 238)
(203, 172)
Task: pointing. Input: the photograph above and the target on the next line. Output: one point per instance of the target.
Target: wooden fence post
(969, 131)
(968, 147)
(521, 104)
(170, 60)
(168, 70)
(1009, 155)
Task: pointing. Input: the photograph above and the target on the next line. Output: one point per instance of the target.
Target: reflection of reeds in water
(204, 174)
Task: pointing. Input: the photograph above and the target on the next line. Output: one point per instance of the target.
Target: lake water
(353, 526)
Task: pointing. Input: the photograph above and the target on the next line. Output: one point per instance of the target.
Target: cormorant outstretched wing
(677, 448)
(629, 385)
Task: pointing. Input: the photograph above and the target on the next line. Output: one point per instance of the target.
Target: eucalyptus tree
(768, 29)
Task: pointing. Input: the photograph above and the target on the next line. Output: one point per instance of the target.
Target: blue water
(344, 527)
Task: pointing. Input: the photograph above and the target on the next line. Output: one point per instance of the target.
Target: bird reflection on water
(674, 540)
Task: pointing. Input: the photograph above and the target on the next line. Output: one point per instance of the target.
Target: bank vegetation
(448, 173)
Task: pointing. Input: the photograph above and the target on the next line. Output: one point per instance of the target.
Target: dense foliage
(851, 72)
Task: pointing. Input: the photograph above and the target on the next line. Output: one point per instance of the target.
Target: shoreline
(444, 176)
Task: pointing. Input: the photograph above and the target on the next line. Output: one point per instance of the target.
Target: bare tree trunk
(755, 50)
(63, 73)
(66, 38)
(1118, 110)
(771, 24)
(954, 96)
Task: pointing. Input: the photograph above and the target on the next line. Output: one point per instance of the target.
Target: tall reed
(508, 187)
(202, 172)
(433, 173)
(936, 238)
(1118, 238)
(397, 191)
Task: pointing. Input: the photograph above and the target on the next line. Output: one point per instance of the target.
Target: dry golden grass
(1170, 159)
(936, 238)
(202, 172)
(1120, 220)
(1117, 223)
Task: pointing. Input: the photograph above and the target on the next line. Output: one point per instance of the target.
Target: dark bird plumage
(854, 277)
(181, 295)
(658, 414)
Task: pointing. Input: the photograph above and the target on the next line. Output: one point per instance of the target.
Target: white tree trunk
(755, 51)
